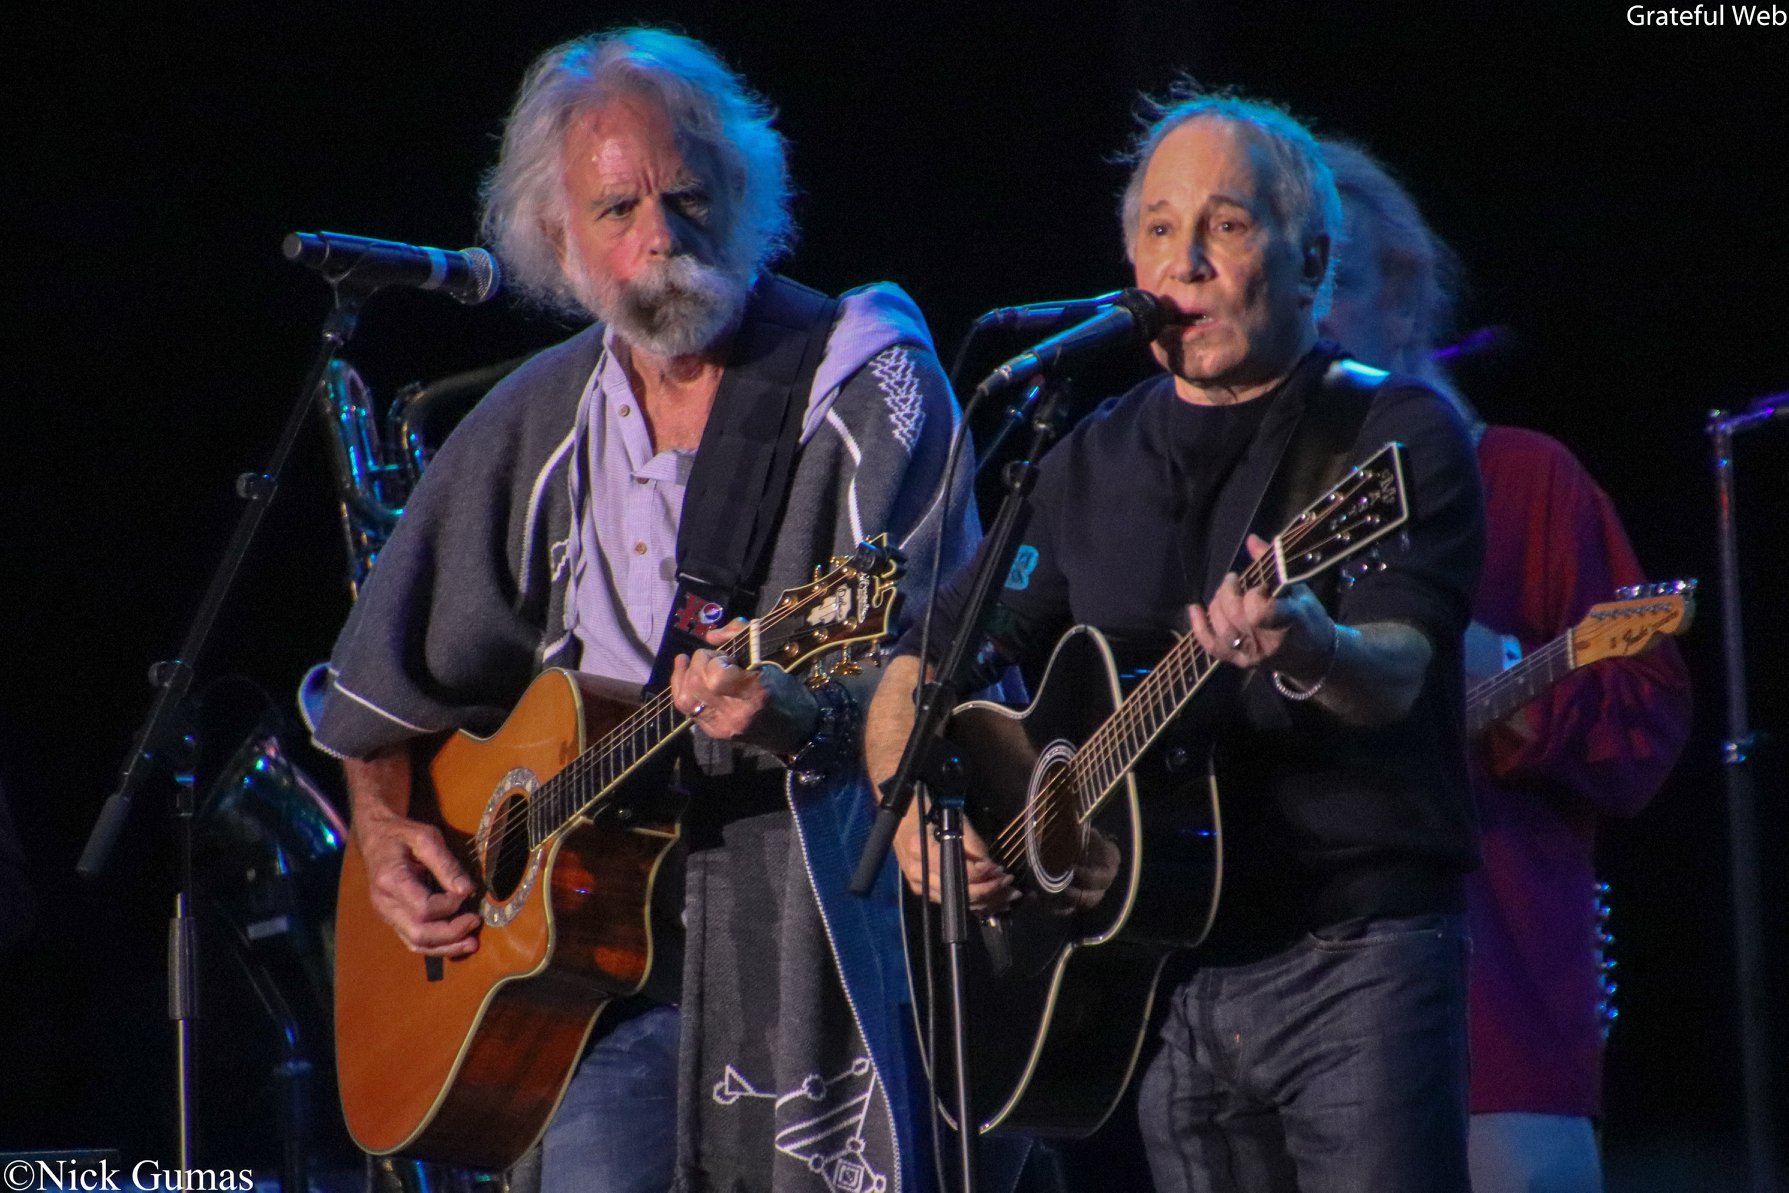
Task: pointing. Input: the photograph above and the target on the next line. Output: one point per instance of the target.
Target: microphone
(1133, 317)
(470, 275)
(1046, 316)
(1485, 343)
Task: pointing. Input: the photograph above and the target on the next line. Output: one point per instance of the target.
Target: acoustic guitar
(465, 1060)
(1111, 884)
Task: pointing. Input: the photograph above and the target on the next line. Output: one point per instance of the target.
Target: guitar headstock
(849, 602)
(1622, 628)
(1364, 506)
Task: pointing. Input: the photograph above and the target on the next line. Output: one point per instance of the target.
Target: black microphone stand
(164, 739)
(1742, 811)
(929, 759)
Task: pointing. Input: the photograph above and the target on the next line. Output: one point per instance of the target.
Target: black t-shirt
(1322, 821)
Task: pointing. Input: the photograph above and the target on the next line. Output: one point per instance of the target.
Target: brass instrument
(378, 461)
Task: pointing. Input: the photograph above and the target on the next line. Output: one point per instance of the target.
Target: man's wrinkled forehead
(643, 108)
(1225, 155)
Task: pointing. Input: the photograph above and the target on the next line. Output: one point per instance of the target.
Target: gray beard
(679, 308)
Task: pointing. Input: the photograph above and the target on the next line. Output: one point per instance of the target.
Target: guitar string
(1109, 743)
(1550, 653)
(592, 757)
(635, 727)
(1124, 735)
(1520, 678)
(549, 794)
(1113, 741)
(1128, 733)
(1516, 676)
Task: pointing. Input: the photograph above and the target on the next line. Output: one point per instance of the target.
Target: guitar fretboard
(1505, 692)
(1114, 749)
(570, 792)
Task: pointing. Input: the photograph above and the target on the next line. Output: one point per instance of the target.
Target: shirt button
(642, 480)
(626, 410)
(639, 548)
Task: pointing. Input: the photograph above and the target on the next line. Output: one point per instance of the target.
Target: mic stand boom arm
(928, 757)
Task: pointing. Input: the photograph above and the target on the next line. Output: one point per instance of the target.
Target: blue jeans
(1337, 1064)
(616, 1129)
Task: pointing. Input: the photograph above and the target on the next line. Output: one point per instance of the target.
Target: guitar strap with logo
(744, 464)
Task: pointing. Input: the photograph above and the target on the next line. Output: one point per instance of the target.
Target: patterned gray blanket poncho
(795, 1073)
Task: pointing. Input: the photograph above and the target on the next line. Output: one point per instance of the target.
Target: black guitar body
(1060, 988)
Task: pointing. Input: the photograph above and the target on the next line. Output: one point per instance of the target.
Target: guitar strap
(744, 464)
(1319, 450)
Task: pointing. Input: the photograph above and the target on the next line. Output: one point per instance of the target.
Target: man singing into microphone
(1318, 1040)
(642, 185)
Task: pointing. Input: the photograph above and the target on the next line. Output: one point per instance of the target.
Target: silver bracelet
(1291, 689)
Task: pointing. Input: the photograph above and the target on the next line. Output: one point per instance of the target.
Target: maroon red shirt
(1603, 741)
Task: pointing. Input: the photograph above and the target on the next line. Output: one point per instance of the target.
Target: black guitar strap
(1319, 450)
(744, 464)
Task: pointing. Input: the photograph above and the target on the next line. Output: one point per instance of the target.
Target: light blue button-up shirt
(628, 500)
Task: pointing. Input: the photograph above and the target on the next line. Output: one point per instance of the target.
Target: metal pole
(1742, 824)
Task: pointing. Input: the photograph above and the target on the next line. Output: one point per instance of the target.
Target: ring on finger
(696, 712)
(1236, 642)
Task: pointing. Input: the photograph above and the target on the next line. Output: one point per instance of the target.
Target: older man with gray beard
(641, 184)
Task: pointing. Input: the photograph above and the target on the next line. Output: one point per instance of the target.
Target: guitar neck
(1493, 699)
(1114, 749)
(604, 763)
(838, 610)
(1363, 507)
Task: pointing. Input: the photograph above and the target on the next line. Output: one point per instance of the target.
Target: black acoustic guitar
(1113, 880)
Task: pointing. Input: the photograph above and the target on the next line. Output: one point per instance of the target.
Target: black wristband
(834, 738)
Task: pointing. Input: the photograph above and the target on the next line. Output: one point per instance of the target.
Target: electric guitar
(465, 1060)
(1617, 629)
(1111, 884)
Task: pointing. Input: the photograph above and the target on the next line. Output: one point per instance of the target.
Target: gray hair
(525, 215)
(1300, 191)
(1415, 261)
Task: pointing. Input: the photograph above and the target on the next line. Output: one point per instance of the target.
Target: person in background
(1599, 743)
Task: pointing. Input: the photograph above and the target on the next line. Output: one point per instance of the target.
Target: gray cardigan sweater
(790, 984)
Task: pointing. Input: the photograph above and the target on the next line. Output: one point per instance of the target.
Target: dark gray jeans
(1337, 1065)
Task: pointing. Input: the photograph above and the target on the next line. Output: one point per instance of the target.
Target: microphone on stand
(1045, 316)
(1133, 317)
(470, 275)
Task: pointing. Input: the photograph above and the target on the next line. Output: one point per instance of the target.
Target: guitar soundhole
(1055, 835)
(507, 847)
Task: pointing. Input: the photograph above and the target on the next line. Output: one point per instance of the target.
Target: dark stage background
(1617, 194)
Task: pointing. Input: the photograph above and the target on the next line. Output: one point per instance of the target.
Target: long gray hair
(525, 209)
(1416, 263)
(1301, 190)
